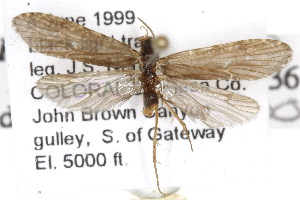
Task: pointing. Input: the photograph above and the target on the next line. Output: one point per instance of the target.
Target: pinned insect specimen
(242, 60)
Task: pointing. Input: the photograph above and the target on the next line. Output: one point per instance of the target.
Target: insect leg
(154, 150)
(179, 120)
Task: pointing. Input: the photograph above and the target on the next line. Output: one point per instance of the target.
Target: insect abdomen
(149, 80)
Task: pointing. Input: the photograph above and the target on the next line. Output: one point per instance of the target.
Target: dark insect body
(241, 60)
(149, 78)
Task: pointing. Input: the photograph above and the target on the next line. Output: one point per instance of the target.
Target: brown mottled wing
(58, 37)
(214, 107)
(90, 91)
(242, 60)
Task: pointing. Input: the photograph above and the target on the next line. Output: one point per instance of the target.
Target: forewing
(241, 60)
(214, 107)
(59, 37)
(92, 91)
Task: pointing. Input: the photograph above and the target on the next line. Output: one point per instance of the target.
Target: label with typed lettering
(284, 89)
(66, 150)
(5, 116)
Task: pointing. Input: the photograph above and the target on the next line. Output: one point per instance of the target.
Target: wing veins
(68, 38)
(197, 102)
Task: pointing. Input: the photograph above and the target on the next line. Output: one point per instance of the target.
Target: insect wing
(92, 91)
(214, 107)
(242, 60)
(59, 37)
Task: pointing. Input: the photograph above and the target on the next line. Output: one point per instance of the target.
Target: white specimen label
(284, 89)
(61, 151)
(5, 116)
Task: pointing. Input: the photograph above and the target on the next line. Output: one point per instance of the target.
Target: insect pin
(241, 60)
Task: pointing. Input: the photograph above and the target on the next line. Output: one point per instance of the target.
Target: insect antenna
(145, 29)
(148, 27)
